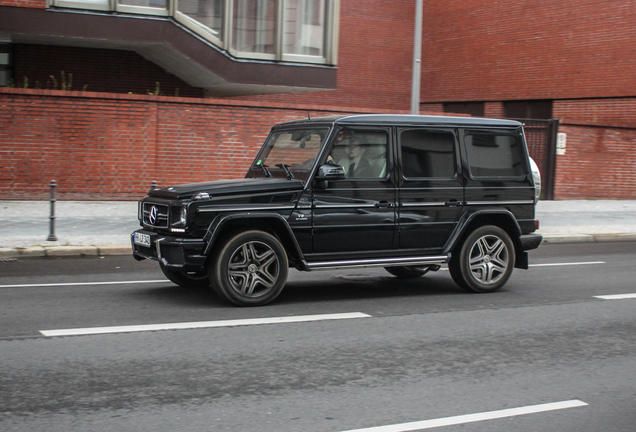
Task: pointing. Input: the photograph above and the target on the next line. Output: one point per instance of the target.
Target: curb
(587, 238)
(65, 251)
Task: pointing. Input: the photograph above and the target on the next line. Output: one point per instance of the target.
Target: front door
(357, 213)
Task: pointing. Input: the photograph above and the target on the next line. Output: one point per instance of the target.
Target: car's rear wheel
(195, 280)
(408, 272)
(249, 269)
(484, 262)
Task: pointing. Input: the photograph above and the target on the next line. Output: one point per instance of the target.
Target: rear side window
(494, 154)
(427, 154)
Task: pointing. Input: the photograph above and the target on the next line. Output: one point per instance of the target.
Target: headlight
(536, 176)
(179, 216)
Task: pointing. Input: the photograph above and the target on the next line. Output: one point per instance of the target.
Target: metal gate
(541, 136)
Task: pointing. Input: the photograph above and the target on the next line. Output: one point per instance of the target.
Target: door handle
(383, 204)
(452, 203)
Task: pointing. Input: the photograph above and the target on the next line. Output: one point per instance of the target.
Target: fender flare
(274, 220)
(467, 218)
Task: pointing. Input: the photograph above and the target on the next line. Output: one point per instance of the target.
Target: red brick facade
(580, 55)
(600, 156)
(37, 4)
(484, 50)
(108, 146)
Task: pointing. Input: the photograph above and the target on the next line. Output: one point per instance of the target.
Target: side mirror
(330, 172)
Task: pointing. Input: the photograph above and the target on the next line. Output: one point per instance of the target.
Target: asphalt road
(418, 351)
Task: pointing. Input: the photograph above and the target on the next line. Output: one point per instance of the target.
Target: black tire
(249, 269)
(407, 272)
(192, 280)
(484, 261)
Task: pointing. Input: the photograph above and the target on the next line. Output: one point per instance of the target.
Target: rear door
(430, 191)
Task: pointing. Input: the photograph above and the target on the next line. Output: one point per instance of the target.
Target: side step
(380, 262)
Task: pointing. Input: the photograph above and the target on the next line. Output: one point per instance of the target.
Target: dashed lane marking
(470, 418)
(568, 264)
(616, 296)
(201, 324)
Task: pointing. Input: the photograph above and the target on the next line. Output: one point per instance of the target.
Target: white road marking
(469, 418)
(166, 280)
(84, 283)
(616, 296)
(201, 324)
(568, 264)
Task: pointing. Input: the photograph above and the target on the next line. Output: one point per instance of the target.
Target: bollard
(52, 236)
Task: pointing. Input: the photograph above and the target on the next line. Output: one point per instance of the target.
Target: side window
(362, 153)
(493, 154)
(427, 154)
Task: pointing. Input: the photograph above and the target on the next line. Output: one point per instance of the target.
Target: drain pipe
(417, 58)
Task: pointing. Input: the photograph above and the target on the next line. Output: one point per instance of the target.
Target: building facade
(63, 62)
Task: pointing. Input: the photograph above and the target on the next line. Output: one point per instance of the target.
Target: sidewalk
(104, 227)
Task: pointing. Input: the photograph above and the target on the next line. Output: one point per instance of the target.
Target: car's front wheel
(484, 262)
(249, 269)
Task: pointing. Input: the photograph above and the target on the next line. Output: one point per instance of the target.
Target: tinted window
(493, 154)
(427, 154)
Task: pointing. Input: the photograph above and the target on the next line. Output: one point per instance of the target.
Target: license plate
(142, 239)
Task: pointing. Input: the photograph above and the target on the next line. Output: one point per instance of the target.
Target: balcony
(228, 47)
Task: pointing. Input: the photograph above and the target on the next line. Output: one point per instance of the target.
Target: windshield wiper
(265, 170)
(284, 167)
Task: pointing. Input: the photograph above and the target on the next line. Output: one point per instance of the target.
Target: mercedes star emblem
(153, 215)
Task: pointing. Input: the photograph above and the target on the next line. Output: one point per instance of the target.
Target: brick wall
(109, 146)
(482, 50)
(600, 157)
(37, 4)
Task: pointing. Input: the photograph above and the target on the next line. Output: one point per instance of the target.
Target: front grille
(158, 217)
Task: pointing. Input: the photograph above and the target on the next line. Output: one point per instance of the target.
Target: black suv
(408, 193)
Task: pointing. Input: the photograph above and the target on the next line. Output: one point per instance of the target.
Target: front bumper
(175, 253)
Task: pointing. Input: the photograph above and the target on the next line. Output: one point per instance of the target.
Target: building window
(305, 27)
(289, 30)
(145, 3)
(532, 109)
(475, 109)
(5, 65)
(254, 26)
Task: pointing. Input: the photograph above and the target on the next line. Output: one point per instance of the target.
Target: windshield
(289, 153)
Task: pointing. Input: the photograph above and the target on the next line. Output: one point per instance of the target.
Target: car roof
(406, 120)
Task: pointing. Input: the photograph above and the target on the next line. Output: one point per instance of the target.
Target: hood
(228, 187)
